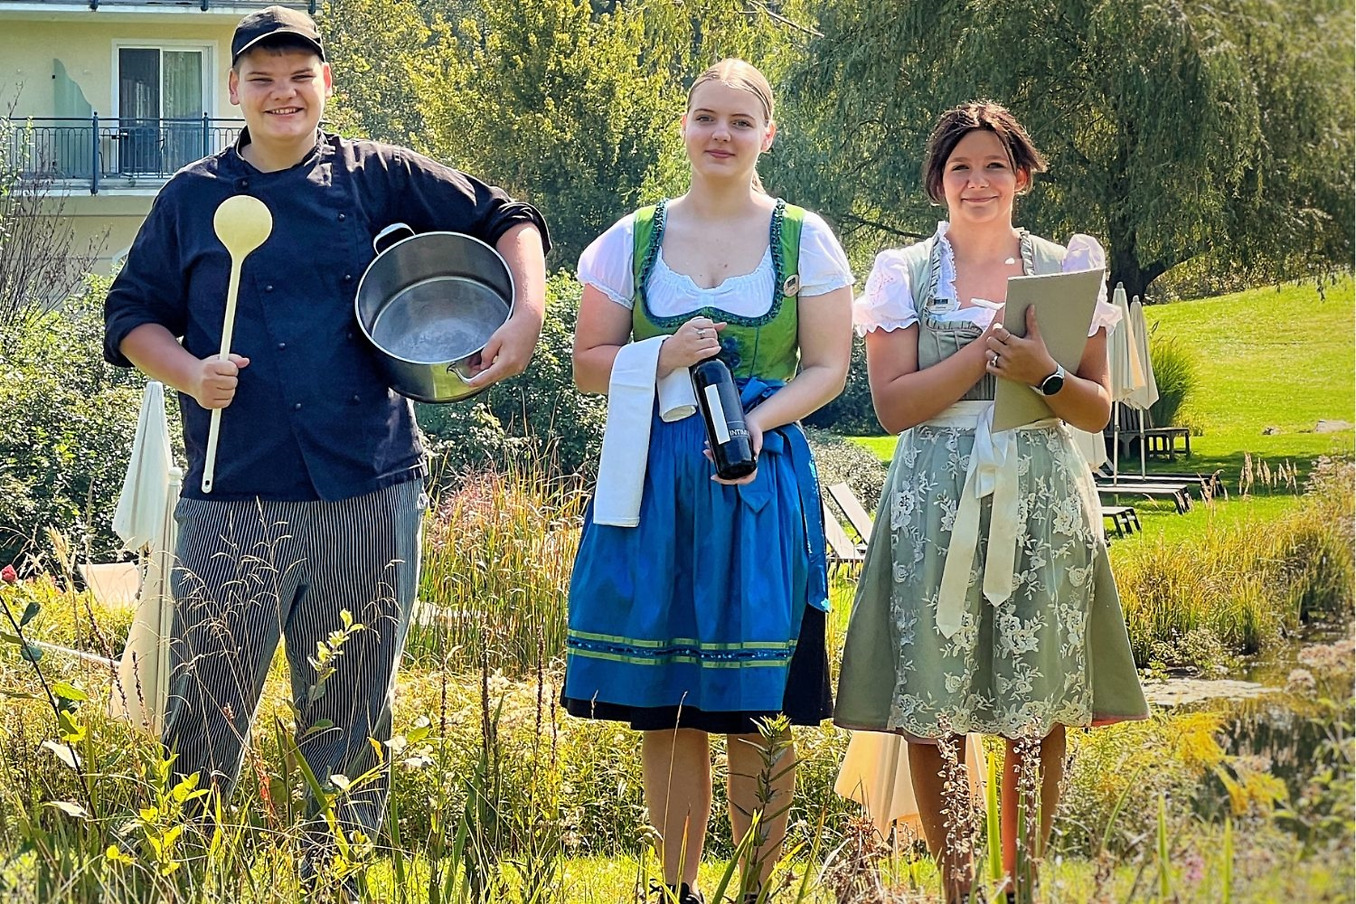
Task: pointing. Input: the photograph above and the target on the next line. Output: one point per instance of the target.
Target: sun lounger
(856, 513)
(842, 551)
(1206, 485)
(1177, 492)
(1123, 519)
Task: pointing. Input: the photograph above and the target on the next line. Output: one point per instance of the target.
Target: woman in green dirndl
(986, 603)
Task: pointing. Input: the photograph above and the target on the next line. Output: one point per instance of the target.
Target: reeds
(1247, 583)
(496, 792)
(498, 552)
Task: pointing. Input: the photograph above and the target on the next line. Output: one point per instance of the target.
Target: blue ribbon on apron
(789, 439)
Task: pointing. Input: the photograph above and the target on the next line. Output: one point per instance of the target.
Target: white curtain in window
(183, 98)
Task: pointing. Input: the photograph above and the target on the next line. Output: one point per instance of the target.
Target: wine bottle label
(718, 421)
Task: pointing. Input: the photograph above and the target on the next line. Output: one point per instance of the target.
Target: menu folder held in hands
(1064, 304)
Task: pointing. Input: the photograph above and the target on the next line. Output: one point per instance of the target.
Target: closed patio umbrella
(1127, 372)
(144, 519)
(1145, 394)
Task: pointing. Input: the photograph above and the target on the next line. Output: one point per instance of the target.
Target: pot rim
(448, 362)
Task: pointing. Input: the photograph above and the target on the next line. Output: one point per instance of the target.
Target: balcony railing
(110, 151)
(204, 5)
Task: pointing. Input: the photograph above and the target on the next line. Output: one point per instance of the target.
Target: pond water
(1289, 712)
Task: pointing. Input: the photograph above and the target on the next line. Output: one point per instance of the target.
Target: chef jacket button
(243, 184)
(296, 407)
(348, 277)
(282, 345)
(268, 288)
(343, 217)
(357, 399)
(350, 335)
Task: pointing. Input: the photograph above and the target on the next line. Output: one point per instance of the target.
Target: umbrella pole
(1143, 452)
(1115, 442)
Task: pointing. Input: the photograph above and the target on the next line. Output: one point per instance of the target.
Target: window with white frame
(161, 95)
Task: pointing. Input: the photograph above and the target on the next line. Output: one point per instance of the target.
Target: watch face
(1052, 384)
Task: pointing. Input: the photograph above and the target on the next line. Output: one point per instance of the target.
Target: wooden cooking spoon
(242, 223)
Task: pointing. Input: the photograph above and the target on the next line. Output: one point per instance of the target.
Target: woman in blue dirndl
(702, 610)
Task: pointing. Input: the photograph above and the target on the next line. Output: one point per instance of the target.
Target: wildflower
(9, 575)
(1300, 680)
(1193, 869)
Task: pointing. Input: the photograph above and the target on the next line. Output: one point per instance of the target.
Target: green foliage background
(1174, 131)
(66, 426)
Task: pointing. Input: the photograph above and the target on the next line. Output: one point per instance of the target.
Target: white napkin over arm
(626, 440)
(145, 487)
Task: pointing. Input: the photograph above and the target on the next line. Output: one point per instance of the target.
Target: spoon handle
(227, 328)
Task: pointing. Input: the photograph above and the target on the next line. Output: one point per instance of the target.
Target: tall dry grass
(498, 552)
(1248, 583)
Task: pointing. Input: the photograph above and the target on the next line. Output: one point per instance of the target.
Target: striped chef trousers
(250, 572)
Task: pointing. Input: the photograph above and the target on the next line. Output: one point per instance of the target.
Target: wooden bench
(1158, 441)
(1123, 519)
(1163, 441)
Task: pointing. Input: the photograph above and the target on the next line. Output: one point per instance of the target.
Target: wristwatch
(1053, 383)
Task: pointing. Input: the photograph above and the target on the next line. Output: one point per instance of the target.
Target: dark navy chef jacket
(312, 416)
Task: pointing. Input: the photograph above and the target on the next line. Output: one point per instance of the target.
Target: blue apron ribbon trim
(789, 439)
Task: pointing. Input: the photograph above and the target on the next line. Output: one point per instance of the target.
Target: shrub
(1175, 373)
(852, 413)
(67, 421)
(498, 553)
(1245, 584)
(842, 461)
(1118, 774)
(538, 414)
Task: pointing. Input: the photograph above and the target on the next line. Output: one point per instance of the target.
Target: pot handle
(460, 368)
(390, 235)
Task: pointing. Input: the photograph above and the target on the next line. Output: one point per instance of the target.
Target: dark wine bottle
(728, 435)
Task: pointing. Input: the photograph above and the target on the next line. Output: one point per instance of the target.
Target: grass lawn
(1160, 520)
(1266, 359)
(604, 880)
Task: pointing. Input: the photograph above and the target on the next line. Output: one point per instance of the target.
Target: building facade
(101, 101)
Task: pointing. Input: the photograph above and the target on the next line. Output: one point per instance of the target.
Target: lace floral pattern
(1017, 667)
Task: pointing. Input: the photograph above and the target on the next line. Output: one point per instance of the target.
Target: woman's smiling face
(725, 129)
(979, 180)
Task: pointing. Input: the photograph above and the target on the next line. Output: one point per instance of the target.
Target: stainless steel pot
(428, 304)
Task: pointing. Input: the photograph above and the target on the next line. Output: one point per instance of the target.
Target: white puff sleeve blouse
(888, 304)
(606, 265)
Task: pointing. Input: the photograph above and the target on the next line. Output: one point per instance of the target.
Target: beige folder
(1064, 304)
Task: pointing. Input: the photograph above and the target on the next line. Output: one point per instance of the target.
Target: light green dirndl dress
(1011, 657)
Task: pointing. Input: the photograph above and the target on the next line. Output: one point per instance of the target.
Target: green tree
(571, 104)
(1174, 128)
(372, 45)
(555, 104)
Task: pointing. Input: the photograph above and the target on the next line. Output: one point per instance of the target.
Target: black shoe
(683, 894)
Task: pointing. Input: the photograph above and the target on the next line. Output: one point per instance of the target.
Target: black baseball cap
(274, 20)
